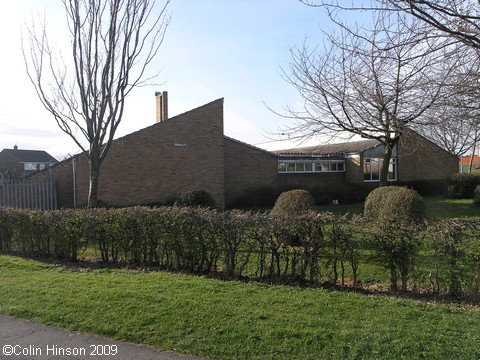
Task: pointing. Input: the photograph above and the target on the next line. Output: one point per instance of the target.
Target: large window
(372, 166)
(310, 166)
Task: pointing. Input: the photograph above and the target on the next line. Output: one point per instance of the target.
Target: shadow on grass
(371, 288)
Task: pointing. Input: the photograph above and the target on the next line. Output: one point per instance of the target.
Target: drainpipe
(74, 168)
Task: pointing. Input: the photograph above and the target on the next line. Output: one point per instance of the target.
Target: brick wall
(155, 164)
(247, 168)
(420, 159)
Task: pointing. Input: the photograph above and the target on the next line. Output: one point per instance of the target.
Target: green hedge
(326, 247)
(462, 186)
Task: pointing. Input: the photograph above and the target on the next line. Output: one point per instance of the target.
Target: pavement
(26, 340)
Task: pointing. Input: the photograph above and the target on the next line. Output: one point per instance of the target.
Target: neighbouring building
(155, 164)
(19, 163)
(466, 161)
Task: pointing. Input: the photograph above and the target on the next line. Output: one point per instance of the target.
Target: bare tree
(457, 128)
(369, 82)
(112, 44)
(455, 121)
(457, 137)
(459, 19)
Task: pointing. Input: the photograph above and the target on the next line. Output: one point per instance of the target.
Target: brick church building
(190, 150)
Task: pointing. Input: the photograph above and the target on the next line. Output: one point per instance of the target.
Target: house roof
(30, 156)
(347, 148)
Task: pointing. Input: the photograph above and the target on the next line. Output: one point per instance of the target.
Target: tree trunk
(470, 164)
(387, 155)
(93, 188)
(472, 158)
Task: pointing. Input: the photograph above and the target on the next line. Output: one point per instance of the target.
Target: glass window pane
(290, 167)
(367, 171)
(375, 165)
(392, 170)
(300, 167)
(340, 166)
(282, 167)
(308, 167)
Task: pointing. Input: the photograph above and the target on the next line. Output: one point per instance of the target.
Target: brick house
(155, 164)
(19, 163)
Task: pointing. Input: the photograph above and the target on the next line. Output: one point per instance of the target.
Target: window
(372, 166)
(310, 166)
(30, 166)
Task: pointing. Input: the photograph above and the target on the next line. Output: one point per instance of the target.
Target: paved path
(32, 341)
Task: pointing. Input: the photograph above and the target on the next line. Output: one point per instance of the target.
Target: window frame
(284, 166)
(379, 161)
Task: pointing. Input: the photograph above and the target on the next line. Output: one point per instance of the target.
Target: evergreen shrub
(195, 197)
(462, 186)
(394, 204)
(293, 203)
(476, 196)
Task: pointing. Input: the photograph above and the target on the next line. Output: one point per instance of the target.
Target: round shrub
(476, 196)
(195, 197)
(293, 202)
(395, 204)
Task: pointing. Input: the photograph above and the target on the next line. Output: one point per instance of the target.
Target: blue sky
(212, 49)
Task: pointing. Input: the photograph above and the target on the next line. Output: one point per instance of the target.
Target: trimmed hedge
(462, 186)
(258, 245)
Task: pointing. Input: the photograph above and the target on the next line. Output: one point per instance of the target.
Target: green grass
(234, 320)
(450, 208)
(436, 207)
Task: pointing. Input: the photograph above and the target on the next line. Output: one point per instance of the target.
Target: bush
(476, 196)
(293, 203)
(195, 197)
(395, 204)
(462, 186)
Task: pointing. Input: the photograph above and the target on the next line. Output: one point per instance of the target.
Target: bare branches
(112, 44)
(371, 83)
(456, 19)
(375, 82)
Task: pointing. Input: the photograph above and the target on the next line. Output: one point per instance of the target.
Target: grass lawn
(436, 207)
(234, 320)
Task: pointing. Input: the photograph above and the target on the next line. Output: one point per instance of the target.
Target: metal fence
(26, 194)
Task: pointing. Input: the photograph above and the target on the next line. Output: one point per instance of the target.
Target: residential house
(19, 163)
(155, 164)
(466, 161)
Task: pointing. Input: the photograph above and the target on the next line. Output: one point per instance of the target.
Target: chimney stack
(162, 106)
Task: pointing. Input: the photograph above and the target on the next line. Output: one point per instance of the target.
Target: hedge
(462, 186)
(311, 248)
